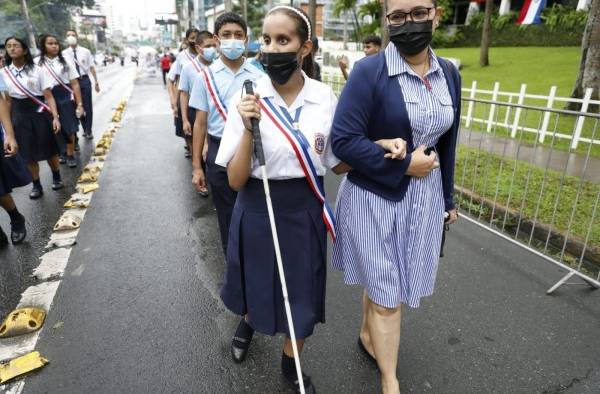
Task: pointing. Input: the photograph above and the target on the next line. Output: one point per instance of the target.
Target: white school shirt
(84, 58)
(318, 103)
(65, 73)
(172, 74)
(33, 79)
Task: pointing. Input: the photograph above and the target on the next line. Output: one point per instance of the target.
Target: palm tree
(372, 10)
(342, 6)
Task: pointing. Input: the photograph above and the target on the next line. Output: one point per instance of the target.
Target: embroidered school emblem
(319, 143)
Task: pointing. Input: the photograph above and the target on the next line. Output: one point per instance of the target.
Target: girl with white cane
(295, 114)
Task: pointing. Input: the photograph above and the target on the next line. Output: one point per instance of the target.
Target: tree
(256, 13)
(372, 11)
(484, 58)
(312, 14)
(342, 6)
(589, 67)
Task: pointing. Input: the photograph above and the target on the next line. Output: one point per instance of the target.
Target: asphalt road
(139, 310)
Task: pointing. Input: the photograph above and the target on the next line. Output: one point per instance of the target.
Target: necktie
(76, 62)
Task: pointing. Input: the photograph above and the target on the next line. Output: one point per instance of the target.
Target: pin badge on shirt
(319, 143)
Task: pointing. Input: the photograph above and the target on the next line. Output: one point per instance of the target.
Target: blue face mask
(209, 54)
(232, 49)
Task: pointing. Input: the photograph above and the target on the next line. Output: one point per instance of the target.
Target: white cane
(260, 156)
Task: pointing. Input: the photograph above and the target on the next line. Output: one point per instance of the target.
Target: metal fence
(541, 195)
(531, 175)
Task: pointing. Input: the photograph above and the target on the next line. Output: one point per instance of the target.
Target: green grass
(538, 67)
(533, 190)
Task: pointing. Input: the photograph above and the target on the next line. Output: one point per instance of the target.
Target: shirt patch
(319, 143)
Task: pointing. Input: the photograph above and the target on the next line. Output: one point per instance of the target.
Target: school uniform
(389, 224)
(32, 124)
(210, 93)
(183, 59)
(82, 59)
(186, 84)
(61, 76)
(13, 170)
(252, 283)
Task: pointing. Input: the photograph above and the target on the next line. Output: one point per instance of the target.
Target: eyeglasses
(417, 15)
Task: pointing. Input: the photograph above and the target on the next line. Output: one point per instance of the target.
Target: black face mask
(411, 38)
(279, 66)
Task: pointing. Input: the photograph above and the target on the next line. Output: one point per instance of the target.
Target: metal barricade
(541, 194)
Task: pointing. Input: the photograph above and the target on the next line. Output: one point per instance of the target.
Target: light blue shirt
(183, 59)
(3, 87)
(227, 84)
(188, 75)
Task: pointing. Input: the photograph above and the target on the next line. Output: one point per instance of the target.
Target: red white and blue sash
(196, 63)
(301, 147)
(59, 80)
(42, 105)
(214, 93)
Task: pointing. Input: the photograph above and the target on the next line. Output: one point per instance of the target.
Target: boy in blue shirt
(210, 95)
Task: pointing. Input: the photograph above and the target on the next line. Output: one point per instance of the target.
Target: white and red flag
(531, 11)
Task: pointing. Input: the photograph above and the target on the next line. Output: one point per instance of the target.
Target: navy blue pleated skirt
(179, 122)
(33, 130)
(13, 172)
(252, 283)
(69, 124)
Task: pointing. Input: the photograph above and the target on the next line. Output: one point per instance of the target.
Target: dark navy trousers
(223, 196)
(86, 94)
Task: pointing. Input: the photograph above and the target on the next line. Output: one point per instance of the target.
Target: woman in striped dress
(392, 207)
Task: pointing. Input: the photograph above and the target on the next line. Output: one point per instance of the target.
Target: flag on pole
(531, 11)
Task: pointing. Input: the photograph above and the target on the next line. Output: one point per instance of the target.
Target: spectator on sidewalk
(371, 46)
(392, 249)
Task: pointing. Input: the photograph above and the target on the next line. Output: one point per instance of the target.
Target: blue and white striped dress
(392, 248)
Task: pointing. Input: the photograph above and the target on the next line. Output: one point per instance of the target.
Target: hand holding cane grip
(258, 148)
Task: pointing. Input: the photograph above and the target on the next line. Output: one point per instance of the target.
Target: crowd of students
(43, 101)
(392, 133)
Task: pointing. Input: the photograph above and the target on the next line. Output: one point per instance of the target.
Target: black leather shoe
(36, 193)
(71, 162)
(57, 185)
(309, 388)
(89, 136)
(239, 349)
(18, 231)
(3, 239)
(62, 159)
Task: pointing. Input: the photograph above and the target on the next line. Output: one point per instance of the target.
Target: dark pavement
(140, 310)
(17, 263)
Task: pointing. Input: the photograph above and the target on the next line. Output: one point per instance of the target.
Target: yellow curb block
(21, 365)
(22, 321)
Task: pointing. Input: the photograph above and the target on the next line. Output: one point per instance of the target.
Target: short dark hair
(372, 39)
(72, 30)
(190, 31)
(203, 35)
(230, 17)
